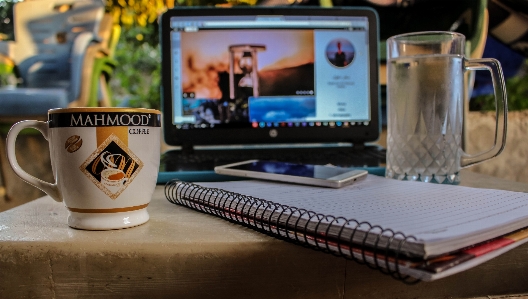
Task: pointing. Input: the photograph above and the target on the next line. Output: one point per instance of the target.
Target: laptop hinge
(187, 149)
(358, 146)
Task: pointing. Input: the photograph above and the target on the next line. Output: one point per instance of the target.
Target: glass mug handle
(501, 104)
(50, 189)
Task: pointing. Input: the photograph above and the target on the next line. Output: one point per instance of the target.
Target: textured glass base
(451, 179)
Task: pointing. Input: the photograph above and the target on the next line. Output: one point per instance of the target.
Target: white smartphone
(315, 175)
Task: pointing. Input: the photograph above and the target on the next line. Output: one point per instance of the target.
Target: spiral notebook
(408, 230)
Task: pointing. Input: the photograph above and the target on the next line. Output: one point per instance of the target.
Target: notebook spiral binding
(299, 226)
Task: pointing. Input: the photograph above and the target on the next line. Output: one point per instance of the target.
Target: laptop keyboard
(199, 160)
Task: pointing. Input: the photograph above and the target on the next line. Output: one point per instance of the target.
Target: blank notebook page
(435, 214)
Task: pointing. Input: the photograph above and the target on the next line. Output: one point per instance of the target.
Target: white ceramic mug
(105, 163)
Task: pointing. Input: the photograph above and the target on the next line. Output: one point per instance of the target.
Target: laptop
(293, 84)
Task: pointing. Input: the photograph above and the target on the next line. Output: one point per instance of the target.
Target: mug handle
(50, 189)
(501, 104)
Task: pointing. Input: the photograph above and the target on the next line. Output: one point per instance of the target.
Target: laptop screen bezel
(221, 136)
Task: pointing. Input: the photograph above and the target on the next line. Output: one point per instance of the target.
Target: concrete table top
(182, 253)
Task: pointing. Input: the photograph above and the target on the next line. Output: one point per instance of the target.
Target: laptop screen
(269, 75)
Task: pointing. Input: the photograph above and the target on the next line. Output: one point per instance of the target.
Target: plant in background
(136, 79)
(144, 12)
(140, 12)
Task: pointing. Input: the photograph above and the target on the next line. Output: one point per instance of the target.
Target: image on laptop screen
(251, 73)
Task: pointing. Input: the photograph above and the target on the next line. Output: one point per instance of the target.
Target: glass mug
(425, 99)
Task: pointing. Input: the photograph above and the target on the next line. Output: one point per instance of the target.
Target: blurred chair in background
(99, 64)
(56, 45)
(62, 56)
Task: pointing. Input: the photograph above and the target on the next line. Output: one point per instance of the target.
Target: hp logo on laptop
(273, 133)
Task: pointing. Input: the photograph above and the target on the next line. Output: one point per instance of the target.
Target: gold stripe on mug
(114, 210)
(102, 133)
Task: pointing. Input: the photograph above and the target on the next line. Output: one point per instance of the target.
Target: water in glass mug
(426, 106)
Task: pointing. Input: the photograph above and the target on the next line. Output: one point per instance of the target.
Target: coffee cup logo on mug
(425, 98)
(105, 163)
